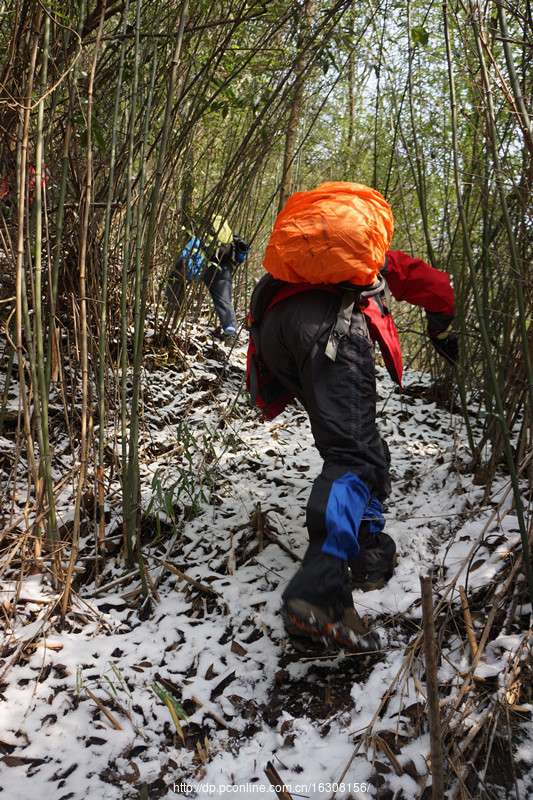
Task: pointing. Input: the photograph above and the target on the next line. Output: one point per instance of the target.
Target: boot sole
(329, 634)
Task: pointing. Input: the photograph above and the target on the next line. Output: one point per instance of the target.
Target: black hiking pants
(340, 399)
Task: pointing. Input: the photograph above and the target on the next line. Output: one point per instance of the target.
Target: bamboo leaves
(176, 710)
(419, 35)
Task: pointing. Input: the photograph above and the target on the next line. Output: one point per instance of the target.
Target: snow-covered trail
(81, 714)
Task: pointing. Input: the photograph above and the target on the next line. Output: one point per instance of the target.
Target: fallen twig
(201, 586)
(276, 782)
(104, 710)
(208, 711)
(470, 634)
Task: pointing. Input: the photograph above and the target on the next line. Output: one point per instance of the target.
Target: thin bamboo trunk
(518, 94)
(517, 267)
(22, 314)
(420, 182)
(52, 353)
(100, 520)
(5, 393)
(300, 68)
(43, 386)
(128, 489)
(432, 684)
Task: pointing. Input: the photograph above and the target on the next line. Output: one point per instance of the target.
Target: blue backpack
(193, 259)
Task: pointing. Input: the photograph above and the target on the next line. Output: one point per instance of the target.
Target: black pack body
(266, 391)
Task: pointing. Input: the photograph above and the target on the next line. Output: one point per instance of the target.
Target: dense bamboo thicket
(127, 124)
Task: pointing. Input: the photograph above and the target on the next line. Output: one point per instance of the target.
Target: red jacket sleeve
(413, 280)
(416, 282)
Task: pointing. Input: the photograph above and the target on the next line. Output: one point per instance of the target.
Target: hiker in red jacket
(315, 339)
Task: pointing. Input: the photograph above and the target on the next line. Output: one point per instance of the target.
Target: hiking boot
(344, 629)
(229, 335)
(322, 580)
(375, 563)
(348, 635)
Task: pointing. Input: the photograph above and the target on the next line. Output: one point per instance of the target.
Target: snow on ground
(83, 711)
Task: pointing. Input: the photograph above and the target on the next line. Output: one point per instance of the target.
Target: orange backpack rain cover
(336, 233)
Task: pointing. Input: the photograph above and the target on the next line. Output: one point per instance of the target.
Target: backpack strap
(342, 323)
(351, 296)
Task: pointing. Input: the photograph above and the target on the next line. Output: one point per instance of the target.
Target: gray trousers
(218, 280)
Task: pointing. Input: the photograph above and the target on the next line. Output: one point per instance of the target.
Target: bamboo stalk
(129, 480)
(152, 585)
(437, 766)
(126, 714)
(420, 183)
(300, 69)
(22, 314)
(53, 338)
(482, 643)
(515, 260)
(100, 491)
(203, 587)
(5, 393)
(104, 710)
(386, 750)
(100, 519)
(209, 712)
(42, 384)
(277, 782)
(518, 95)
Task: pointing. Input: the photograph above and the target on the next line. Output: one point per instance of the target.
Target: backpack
(193, 259)
(196, 256)
(265, 390)
(334, 237)
(224, 245)
(239, 250)
(336, 233)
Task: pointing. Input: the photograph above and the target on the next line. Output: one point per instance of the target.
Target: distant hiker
(214, 259)
(8, 186)
(230, 251)
(314, 318)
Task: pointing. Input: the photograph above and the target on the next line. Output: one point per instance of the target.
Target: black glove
(447, 347)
